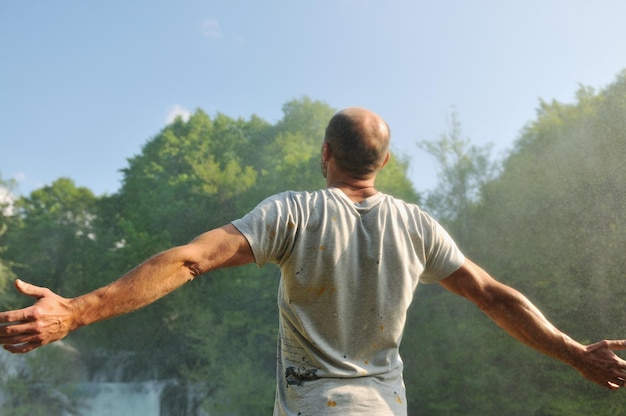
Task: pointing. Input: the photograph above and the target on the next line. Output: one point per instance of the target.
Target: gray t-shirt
(348, 274)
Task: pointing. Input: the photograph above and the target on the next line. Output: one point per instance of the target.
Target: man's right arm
(52, 317)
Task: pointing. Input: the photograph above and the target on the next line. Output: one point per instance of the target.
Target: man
(350, 260)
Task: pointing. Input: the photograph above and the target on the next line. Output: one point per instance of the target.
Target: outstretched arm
(520, 318)
(52, 317)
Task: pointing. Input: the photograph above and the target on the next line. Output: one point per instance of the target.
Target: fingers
(16, 332)
(617, 344)
(21, 348)
(30, 290)
(616, 384)
(13, 317)
(26, 314)
(19, 337)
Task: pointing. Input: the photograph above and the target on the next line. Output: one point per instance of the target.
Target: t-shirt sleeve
(269, 229)
(443, 257)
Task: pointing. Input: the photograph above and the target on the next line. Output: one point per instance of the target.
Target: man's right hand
(49, 319)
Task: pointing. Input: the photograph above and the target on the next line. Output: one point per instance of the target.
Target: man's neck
(357, 191)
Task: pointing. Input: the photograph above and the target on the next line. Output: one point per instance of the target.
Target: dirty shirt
(348, 275)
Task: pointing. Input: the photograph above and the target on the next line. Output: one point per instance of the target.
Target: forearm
(162, 274)
(146, 283)
(514, 313)
(520, 318)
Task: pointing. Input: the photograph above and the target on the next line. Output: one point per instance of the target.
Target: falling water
(122, 399)
(99, 395)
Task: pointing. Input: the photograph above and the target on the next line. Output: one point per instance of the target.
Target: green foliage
(8, 298)
(216, 337)
(393, 180)
(463, 170)
(42, 385)
(291, 160)
(50, 233)
(551, 224)
(187, 179)
(564, 188)
(236, 362)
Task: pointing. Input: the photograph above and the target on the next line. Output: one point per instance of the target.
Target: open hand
(601, 365)
(48, 319)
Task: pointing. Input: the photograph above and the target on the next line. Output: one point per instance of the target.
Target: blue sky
(85, 84)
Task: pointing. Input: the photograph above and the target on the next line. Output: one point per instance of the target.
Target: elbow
(193, 269)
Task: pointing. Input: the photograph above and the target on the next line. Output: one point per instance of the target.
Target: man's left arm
(52, 317)
(513, 312)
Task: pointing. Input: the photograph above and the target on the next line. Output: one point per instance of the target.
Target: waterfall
(23, 384)
(121, 399)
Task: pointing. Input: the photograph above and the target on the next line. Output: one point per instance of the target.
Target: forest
(547, 219)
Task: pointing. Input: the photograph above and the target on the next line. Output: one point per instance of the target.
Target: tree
(49, 232)
(41, 385)
(200, 174)
(463, 169)
(215, 338)
(7, 198)
(7, 295)
(551, 225)
(185, 179)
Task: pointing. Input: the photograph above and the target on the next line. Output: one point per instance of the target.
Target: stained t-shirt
(348, 275)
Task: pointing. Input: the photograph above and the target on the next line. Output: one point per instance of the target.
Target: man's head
(358, 141)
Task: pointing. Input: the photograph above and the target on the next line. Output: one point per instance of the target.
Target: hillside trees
(199, 175)
(215, 338)
(462, 170)
(50, 234)
(7, 296)
(565, 187)
(551, 224)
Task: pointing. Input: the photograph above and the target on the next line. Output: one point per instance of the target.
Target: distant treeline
(550, 222)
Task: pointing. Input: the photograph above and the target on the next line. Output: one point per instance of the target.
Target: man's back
(349, 271)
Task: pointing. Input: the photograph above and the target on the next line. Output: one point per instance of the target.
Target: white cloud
(211, 28)
(177, 111)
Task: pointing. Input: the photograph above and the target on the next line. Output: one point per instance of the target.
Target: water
(122, 399)
(97, 396)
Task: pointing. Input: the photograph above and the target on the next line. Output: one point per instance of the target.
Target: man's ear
(386, 159)
(325, 151)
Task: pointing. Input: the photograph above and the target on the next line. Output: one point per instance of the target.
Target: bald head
(358, 140)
